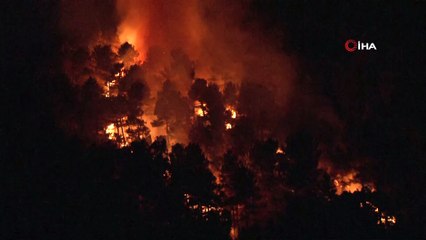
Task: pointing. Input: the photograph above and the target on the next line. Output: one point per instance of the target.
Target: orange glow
(110, 131)
(232, 110)
(391, 220)
(155, 132)
(233, 233)
(124, 133)
(111, 89)
(205, 209)
(200, 109)
(382, 217)
(128, 33)
(119, 74)
(347, 183)
(199, 112)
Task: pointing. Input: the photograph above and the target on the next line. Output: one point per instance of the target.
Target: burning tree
(231, 129)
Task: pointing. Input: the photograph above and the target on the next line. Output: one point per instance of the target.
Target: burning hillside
(216, 119)
(170, 71)
(230, 121)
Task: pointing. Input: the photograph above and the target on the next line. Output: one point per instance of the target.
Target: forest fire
(232, 111)
(349, 183)
(110, 89)
(214, 119)
(200, 109)
(211, 109)
(203, 209)
(382, 217)
(111, 131)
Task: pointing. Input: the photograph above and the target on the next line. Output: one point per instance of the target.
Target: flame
(111, 89)
(382, 217)
(128, 33)
(347, 183)
(233, 114)
(205, 209)
(391, 220)
(119, 131)
(232, 110)
(233, 233)
(200, 109)
(110, 131)
(120, 73)
(199, 112)
(279, 151)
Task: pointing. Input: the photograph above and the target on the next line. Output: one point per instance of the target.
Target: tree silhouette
(239, 187)
(191, 174)
(208, 129)
(104, 58)
(127, 54)
(90, 114)
(303, 156)
(173, 110)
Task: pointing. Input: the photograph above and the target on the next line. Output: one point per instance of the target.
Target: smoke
(87, 22)
(216, 35)
(228, 44)
(232, 47)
